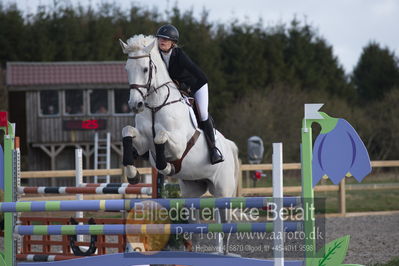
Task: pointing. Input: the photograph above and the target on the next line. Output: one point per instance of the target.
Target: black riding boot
(215, 154)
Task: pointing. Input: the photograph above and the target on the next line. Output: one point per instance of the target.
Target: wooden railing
(341, 188)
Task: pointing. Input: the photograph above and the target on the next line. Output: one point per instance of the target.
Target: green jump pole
(307, 189)
(8, 195)
(312, 115)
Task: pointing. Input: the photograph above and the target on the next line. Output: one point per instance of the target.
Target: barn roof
(40, 75)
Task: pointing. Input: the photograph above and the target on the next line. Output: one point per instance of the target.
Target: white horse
(165, 128)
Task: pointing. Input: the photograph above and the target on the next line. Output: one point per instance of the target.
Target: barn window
(74, 102)
(121, 97)
(99, 101)
(49, 103)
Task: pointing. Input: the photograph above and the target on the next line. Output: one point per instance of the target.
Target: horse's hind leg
(221, 190)
(193, 189)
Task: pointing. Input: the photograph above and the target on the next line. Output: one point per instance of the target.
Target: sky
(347, 25)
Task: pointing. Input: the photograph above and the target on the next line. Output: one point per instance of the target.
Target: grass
(293, 178)
(356, 201)
(362, 201)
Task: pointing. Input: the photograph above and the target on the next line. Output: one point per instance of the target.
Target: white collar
(166, 57)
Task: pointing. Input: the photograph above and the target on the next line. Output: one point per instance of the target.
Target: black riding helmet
(169, 32)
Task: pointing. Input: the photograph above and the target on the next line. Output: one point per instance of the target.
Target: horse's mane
(138, 42)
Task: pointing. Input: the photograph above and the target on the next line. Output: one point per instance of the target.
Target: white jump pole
(108, 163)
(96, 155)
(278, 225)
(79, 181)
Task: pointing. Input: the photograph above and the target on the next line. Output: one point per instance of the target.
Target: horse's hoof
(169, 170)
(133, 176)
(133, 181)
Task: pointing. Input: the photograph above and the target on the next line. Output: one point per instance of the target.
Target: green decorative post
(8, 256)
(327, 123)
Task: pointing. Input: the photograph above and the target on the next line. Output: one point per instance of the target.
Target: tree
(376, 73)
(12, 32)
(312, 63)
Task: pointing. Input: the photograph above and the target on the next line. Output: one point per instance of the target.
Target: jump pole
(9, 193)
(78, 181)
(278, 225)
(311, 116)
(109, 185)
(85, 190)
(129, 204)
(123, 229)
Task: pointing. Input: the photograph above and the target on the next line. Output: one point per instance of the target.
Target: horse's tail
(237, 169)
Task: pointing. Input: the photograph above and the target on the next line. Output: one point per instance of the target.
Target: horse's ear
(124, 46)
(149, 48)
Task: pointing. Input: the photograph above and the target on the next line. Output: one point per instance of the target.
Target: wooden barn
(60, 106)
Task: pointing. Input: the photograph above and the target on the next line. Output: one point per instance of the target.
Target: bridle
(147, 86)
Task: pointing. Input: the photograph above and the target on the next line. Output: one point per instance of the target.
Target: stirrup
(216, 156)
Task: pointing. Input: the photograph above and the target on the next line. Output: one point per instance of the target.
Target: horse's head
(140, 69)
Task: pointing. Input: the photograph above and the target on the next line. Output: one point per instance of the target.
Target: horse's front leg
(162, 165)
(130, 153)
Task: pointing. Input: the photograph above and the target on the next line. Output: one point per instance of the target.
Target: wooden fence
(340, 189)
(242, 191)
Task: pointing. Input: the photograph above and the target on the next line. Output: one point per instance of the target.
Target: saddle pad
(192, 114)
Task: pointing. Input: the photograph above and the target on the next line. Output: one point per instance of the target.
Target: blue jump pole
(123, 229)
(128, 204)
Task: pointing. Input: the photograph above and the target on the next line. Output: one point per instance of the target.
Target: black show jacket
(183, 70)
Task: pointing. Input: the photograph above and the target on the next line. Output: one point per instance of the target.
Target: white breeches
(201, 98)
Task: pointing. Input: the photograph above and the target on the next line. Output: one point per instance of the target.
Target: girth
(190, 144)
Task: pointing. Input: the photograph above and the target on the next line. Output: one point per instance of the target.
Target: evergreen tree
(376, 73)
(311, 62)
(13, 34)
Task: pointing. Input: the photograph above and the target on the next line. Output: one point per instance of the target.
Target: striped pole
(114, 185)
(85, 190)
(120, 229)
(128, 204)
(44, 258)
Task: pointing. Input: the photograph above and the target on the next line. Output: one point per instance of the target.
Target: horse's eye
(145, 69)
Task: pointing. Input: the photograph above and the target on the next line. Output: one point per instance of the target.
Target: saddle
(190, 101)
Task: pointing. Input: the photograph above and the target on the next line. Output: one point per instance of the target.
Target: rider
(188, 75)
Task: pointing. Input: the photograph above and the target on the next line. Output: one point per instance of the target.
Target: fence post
(247, 181)
(239, 181)
(342, 197)
(154, 174)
